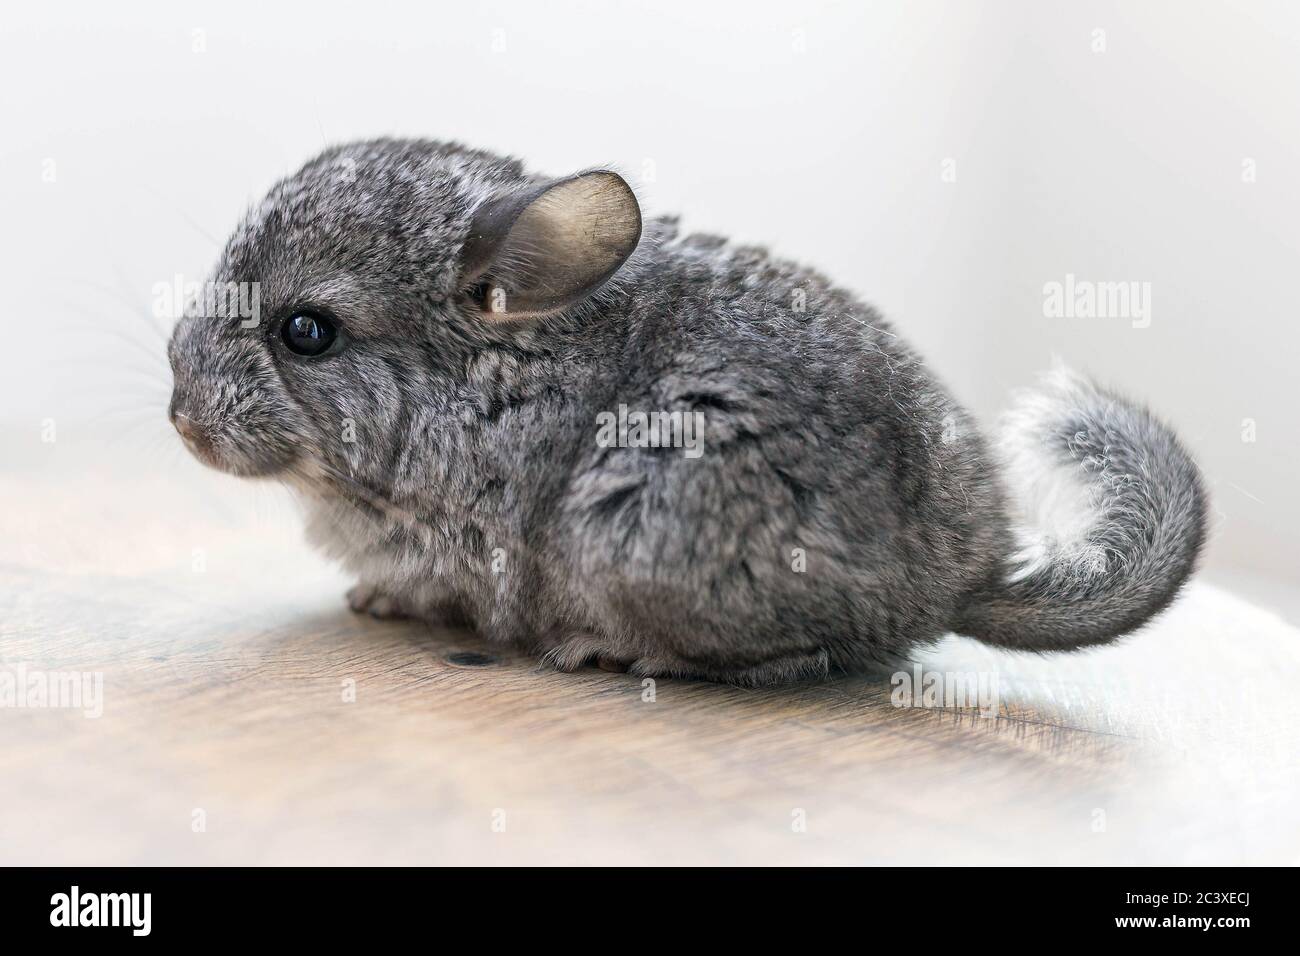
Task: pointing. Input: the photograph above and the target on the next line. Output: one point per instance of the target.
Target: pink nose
(190, 431)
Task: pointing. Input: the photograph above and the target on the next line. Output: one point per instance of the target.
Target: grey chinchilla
(483, 384)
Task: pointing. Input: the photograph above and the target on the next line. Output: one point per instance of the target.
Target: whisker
(124, 287)
(97, 327)
(184, 216)
(121, 294)
(120, 375)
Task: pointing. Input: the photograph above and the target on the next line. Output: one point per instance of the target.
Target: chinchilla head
(363, 282)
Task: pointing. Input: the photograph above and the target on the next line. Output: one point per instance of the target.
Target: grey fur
(475, 487)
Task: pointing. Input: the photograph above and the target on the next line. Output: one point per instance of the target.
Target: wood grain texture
(226, 649)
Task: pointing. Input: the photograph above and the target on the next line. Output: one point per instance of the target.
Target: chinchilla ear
(539, 249)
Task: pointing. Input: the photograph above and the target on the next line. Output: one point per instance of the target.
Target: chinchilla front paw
(373, 600)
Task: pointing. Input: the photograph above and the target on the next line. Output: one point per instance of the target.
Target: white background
(821, 129)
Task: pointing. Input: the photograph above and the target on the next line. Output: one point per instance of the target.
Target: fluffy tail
(1113, 513)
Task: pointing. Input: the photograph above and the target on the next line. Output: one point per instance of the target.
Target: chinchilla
(507, 401)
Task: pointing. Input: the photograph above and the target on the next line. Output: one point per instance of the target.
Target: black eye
(308, 334)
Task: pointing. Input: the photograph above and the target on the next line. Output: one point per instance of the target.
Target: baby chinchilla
(508, 401)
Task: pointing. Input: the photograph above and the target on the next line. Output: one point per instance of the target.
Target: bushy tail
(1111, 517)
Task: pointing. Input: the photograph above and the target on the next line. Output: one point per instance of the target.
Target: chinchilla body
(509, 401)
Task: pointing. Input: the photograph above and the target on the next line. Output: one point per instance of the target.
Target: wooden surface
(226, 648)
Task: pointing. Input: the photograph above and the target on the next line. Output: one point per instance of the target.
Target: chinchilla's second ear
(536, 250)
